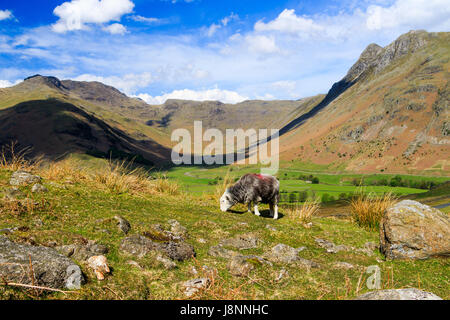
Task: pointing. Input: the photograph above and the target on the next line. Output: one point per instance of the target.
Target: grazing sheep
(253, 188)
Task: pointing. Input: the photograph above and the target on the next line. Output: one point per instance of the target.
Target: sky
(226, 50)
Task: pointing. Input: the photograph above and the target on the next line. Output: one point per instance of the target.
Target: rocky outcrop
(83, 252)
(140, 246)
(282, 253)
(412, 230)
(42, 266)
(242, 242)
(23, 178)
(399, 294)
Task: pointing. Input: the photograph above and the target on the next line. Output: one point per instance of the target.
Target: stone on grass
(192, 287)
(282, 253)
(99, 264)
(398, 294)
(50, 268)
(140, 246)
(82, 252)
(330, 247)
(13, 194)
(178, 230)
(39, 188)
(123, 224)
(242, 242)
(343, 265)
(412, 230)
(23, 178)
(221, 252)
(167, 263)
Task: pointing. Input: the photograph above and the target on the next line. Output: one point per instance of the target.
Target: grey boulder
(50, 268)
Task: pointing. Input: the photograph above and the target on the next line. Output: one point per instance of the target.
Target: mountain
(56, 118)
(389, 113)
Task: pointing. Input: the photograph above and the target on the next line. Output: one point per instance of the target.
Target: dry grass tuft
(67, 169)
(13, 159)
(118, 178)
(368, 209)
(164, 186)
(304, 213)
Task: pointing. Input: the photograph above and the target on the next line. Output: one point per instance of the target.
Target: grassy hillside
(80, 206)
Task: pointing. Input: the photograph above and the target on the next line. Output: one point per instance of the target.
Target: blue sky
(226, 50)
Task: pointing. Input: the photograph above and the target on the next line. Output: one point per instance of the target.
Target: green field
(199, 180)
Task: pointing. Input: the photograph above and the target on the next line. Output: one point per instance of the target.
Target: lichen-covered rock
(50, 268)
(99, 264)
(285, 254)
(193, 286)
(140, 246)
(242, 242)
(39, 188)
(412, 230)
(23, 178)
(178, 230)
(221, 252)
(330, 246)
(398, 294)
(123, 224)
(240, 266)
(13, 194)
(83, 252)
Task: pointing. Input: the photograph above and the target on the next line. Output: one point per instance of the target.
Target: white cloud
(426, 13)
(148, 20)
(289, 22)
(215, 94)
(261, 44)
(6, 83)
(5, 14)
(128, 84)
(77, 14)
(115, 28)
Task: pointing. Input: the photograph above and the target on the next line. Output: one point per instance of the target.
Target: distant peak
(48, 80)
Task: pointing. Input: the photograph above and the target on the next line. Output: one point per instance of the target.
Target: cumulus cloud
(78, 14)
(215, 94)
(426, 13)
(7, 83)
(289, 22)
(261, 44)
(115, 28)
(5, 14)
(128, 83)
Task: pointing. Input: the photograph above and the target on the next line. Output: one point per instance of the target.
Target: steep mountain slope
(390, 113)
(54, 129)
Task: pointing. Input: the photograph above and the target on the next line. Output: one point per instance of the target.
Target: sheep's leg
(249, 207)
(271, 209)
(275, 215)
(256, 210)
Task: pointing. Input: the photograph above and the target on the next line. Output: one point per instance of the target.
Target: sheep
(253, 188)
